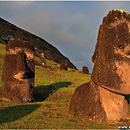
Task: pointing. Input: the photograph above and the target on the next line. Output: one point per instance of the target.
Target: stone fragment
(18, 71)
(103, 98)
(64, 64)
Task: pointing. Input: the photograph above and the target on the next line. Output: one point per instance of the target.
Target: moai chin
(18, 71)
(103, 98)
(64, 64)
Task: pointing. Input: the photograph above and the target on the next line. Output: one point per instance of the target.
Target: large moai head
(18, 71)
(112, 53)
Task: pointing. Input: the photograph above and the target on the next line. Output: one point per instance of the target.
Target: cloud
(69, 32)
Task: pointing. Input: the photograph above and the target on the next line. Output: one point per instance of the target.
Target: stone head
(18, 71)
(64, 64)
(112, 53)
(85, 70)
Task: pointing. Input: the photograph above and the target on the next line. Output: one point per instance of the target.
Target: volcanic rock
(103, 98)
(85, 70)
(64, 64)
(18, 71)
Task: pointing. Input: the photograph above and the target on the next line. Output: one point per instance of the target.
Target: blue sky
(72, 27)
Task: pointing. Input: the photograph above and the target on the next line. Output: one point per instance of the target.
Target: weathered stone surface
(64, 64)
(104, 97)
(86, 103)
(43, 60)
(18, 71)
(112, 54)
(85, 70)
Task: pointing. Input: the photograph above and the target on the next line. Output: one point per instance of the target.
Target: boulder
(103, 98)
(18, 71)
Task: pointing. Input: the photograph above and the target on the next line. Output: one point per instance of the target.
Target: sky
(71, 26)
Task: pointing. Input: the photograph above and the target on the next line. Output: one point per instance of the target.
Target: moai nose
(21, 66)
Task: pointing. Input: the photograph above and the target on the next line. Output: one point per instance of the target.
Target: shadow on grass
(16, 112)
(42, 92)
(127, 97)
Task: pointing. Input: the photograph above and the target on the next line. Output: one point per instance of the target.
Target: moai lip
(103, 98)
(18, 71)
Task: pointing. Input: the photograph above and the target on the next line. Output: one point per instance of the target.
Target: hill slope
(53, 91)
(8, 30)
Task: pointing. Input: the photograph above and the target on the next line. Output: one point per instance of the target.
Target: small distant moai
(18, 71)
(64, 64)
(85, 70)
(43, 60)
(103, 98)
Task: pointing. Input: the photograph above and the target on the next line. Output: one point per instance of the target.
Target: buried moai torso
(110, 79)
(85, 70)
(64, 64)
(18, 71)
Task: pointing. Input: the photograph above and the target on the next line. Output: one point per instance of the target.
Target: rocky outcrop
(8, 31)
(18, 71)
(104, 97)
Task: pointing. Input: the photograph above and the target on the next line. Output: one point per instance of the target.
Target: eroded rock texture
(85, 70)
(43, 60)
(64, 64)
(18, 71)
(104, 97)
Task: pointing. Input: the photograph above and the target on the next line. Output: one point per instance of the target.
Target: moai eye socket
(127, 50)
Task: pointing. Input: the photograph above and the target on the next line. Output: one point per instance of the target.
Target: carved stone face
(18, 71)
(112, 54)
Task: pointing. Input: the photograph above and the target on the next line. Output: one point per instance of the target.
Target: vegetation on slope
(52, 53)
(50, 110)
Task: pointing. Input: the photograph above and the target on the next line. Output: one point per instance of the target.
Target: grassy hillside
(8, 30)
(53, 92)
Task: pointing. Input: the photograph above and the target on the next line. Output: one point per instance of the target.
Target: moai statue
(64, 64)
(85, 70)
(103, 98)
(18, 71)
(43, 60)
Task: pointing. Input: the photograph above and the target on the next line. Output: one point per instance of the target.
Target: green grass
(50, 110)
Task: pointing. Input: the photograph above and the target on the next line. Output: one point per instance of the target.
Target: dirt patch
(72, 120)
(48, 105)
